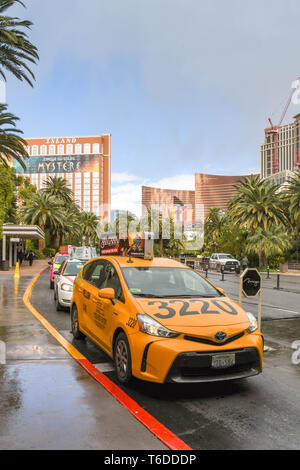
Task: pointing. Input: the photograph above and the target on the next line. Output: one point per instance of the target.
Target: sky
(183, 86)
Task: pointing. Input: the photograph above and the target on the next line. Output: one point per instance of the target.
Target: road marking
(2, 352)
(152, 424)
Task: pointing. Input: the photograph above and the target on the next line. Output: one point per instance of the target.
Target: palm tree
(58, 188)
(214, 226)
(89, 222)
(257, 204)
(15, 48)
(12, 146)
(266, 243)
(292, 194)
(44, 210)
(72, 224)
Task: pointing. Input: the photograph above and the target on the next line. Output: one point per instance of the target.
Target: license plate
(223, 361)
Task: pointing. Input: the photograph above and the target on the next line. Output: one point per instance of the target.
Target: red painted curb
(158, 429)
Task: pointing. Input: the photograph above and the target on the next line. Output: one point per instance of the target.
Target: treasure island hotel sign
(84, 162)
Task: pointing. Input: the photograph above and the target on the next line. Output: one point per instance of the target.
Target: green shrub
(49, 251)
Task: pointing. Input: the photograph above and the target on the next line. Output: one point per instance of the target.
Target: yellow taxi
(161, 321)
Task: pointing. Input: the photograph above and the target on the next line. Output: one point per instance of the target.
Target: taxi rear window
(72, 269)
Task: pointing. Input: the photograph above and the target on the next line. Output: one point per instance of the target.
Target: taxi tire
(76, 332)
(57, 304)
(123, 345)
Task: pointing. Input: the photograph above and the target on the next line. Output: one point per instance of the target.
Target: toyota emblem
(220, 336)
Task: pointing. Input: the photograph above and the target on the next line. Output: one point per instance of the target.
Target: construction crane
(273, 130)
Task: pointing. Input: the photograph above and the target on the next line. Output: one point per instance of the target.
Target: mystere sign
(60, 164)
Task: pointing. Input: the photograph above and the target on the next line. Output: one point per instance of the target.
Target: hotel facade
(191, 207)
(84, 162)
(280, 152)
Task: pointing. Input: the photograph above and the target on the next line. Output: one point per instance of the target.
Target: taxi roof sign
(133, 244)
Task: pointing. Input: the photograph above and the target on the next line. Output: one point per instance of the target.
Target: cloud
(186, 182)
(122, 177)
(129, 196)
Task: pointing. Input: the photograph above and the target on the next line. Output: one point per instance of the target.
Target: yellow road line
(62, 341)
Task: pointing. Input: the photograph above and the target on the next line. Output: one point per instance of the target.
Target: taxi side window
(93, 271)
(111, 280)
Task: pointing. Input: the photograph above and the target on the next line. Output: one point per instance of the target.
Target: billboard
(59, 164)
(182, 214)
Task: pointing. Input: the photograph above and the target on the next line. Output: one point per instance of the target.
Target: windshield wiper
(189, 296)
(147, 295)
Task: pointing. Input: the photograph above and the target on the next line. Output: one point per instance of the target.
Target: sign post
(251, 286)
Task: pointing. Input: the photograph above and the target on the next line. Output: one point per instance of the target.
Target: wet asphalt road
(47, 400)
(261, 412)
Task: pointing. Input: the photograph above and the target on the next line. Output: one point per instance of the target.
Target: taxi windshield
(72, 269)
(167, 282)
(59, 259)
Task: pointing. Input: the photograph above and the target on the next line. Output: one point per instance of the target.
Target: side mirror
(107, 293)
(55, 272)
(50, 262)
(221, 290)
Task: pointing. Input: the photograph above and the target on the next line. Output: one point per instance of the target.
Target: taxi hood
(181, 313)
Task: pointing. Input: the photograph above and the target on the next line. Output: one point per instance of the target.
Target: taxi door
(88, 293)
(107, 312)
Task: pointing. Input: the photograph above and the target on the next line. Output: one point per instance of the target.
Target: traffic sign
(251, 282)
(251, 286)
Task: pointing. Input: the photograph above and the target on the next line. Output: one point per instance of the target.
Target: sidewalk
(47, 400)
(36, 267)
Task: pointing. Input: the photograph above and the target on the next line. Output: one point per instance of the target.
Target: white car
(64, 281)
(224, 261)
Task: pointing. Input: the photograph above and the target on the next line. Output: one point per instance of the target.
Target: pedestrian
(245, 263)
(20, 256)
(30, 258)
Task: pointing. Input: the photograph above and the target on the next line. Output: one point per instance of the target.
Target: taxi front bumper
(64, 297)
(183, 360)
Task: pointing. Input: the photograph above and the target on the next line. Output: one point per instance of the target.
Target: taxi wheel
(75, 324)
(57, 304)
(122, 359)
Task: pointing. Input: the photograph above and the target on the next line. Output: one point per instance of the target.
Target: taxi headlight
(66, 287)
(253, 323)
(152, 327)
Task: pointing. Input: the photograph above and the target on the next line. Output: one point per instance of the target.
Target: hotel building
(280, 152)
(84, 162)
(191, 207)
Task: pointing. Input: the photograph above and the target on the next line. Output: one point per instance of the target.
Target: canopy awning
(26, 232)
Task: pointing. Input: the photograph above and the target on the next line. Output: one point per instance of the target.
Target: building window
(69, 149)
(96, 148)
(35, 150)
(61, 149)
(43, 149)
(87, 148)
(77, 148)
(52, 149)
